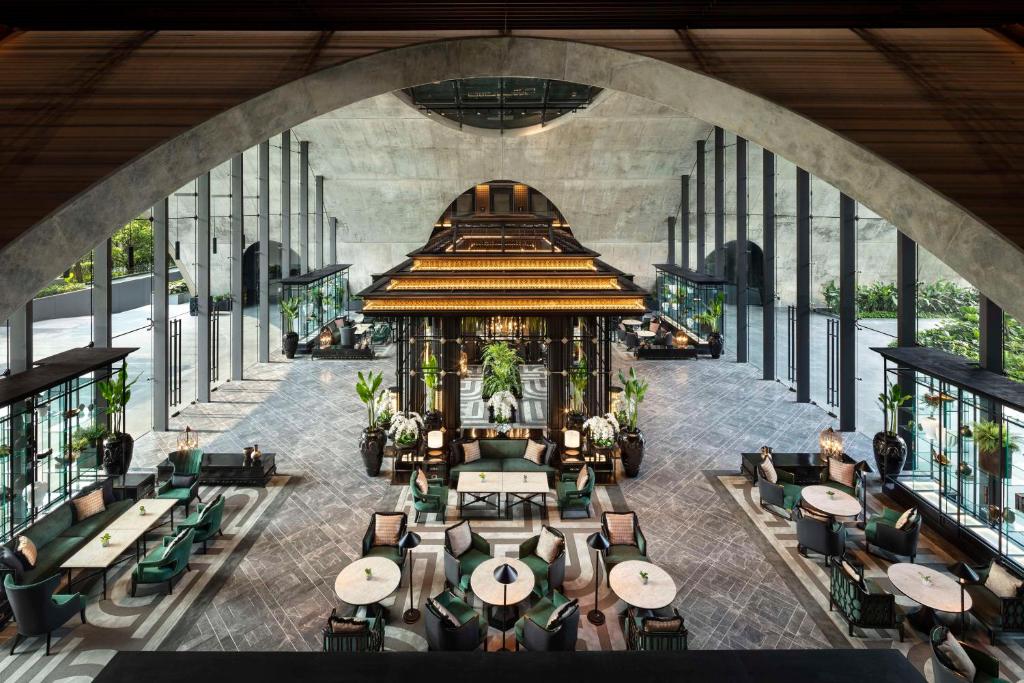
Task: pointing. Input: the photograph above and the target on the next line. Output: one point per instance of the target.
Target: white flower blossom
(602, 429)
(503, 403)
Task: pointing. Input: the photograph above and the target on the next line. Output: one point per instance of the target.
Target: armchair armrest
(164, 487)
(790, 478)
(641, 541)
(984, 662)
(568, 476)
(368, 537)
(529, 546)
(480, 543)
(889, 515)
(435, 481)
(428, 498)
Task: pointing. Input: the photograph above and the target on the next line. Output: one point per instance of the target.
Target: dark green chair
(457, 570)
(390, 552)
(881, 531)
(546, 576)
(782, 495)
(533, 633)
(443, 635)
(435, 500)
(862, 603)
(363, 633)
(166, 562)
(654, 630)
(987, 666)
(38, 611)
(205, 521)
(571, 498)
(621, 552)
(183, 485)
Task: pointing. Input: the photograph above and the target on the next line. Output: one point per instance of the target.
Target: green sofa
(500, 455)
(59, 535)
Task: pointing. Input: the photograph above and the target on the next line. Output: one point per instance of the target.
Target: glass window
(62, 311)
(755, 255)
(824, 339)
(1013, 348)
(785, 271)
(947, 308)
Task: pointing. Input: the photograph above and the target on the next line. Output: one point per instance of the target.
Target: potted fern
(889, 447)
(289, 312)
(432, 380)
(118, 446)
(987, 437)
(373, 438)
(579, 376)
(710, 318)
(630, 438)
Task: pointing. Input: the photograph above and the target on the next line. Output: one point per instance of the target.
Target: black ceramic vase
(117, 453)
(432, 420)
(631, 449)
(890, 454)
(290, 343)
(716, 344)
(575, 420)
(371, 447)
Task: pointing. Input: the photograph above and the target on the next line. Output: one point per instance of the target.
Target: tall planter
(117, 453)
(290, 343)
(716, 344)
(890, 454)
(631, 450)
(371, 447)
(432, 420)
(575, 420)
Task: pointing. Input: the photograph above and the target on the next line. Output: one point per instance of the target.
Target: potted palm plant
(431, 379)
(373, 438)
(289, 312)
(710, 318)
(987, 437)
(630, 438)
(501, 373)
(889, 447)
(86, 444)
(118, 446)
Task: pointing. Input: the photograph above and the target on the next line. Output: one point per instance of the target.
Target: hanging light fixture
(830, 444)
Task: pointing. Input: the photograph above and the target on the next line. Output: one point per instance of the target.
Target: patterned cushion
(349, 626)
(906, 518)
(1001, 582)
(549, 546)
(767, 468)
(660, 625)
(581, 478)
(471, 451)
(443, 612)
(180, 538)
(560, 613)
(535, 452)
(421, 482)
(88, 505)
(620, 528)
(956, 657)
(460, 538)
(386, 529)
(27, 551)
(841, 472)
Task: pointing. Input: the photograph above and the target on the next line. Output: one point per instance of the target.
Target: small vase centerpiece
(369, 573)
(644, 577)
(105, 540)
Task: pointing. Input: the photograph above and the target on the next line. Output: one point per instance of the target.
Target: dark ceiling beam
(693, 49)
(1014, 33)
(321, 41)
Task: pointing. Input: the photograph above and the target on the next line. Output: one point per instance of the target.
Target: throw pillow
(386, 529)
(620, 528)
(807, 512)
(560, 613)
(421, 482)
(349, 626)
(767, 468)
(582, 478)
(471, 451)
(1001, 582)
(906, 518)
(443, 612)
(460, 538)
(27, 552)
(549, 546)
(841, 472)
(956, 656)
(88, 505)
(535, 452)
(182, 481)
(663, 625)
(180, 538)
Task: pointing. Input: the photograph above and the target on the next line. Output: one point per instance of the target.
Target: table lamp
(407, 542)
(965, 575)
(572, 438)
(505, 574)
(435, 440)
(598, 542)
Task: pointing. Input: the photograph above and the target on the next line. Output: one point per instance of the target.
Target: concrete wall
(128, 293)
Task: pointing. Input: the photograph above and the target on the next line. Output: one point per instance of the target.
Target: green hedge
(879, 299)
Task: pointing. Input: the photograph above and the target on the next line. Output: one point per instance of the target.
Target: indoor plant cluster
(710, 319)
(118, 446)
(501, 373)
(631, 439)
(373, 438)
(602, 430)
(502, 405)
(405, 429)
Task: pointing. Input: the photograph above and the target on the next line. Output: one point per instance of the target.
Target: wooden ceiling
(945, 104)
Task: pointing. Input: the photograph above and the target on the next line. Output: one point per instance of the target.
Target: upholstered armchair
(881, 531)
(38, 611)
(442, 635)
(458, 568)
(571, 498)
(621, 551)
(547, 576)
(986, 666)
(435, 500)
(534, 633)
(364, 633)
(387, 550)
(183, 486)
(206, 521)
(861, 603)
(782, 495)
(821, 534)
(166, 562)
(652, 630)
(998, 598)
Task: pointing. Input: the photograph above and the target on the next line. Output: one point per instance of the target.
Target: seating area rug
(153, 620)
(532, 407)
(808, 578)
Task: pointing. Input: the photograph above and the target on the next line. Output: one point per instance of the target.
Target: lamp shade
(409, 540)
(572, 439)
(506, 574)
(435, 440)
(598, 541)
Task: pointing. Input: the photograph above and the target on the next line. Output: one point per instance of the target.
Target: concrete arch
(964, 242)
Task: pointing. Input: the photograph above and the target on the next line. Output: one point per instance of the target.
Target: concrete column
(768, 231)
(235, 258)
(286, 203)
(102, 302)
(684, 236)
(741, 250)
(203, 288)
(990, 346)
(847, 313)
(719, 202)
(671, 239)
(20, 340)
(304, 205)
(332, 244)
(700, 211)
(160, 317)
(263, 341)
(318, 206)
(803, 286)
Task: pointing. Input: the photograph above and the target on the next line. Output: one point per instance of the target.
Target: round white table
(354, 588)
(625, 580)
(487, 588)
(645, 333)
(830, 501)
(928, 587)
(632, 322)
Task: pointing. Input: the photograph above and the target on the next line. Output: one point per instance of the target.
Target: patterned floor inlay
(533, 406)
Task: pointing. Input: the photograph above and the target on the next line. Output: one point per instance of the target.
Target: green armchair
(386, 550)
(571, 498)
(986, 666)
(862, 604)
(165, 563)
(881, 531)
(547, 576)
(183, 486)
(621, 552)
(362, 633)
(654, 630)
(534, 633)
(458, 569)
(434, 500)
(443, 635)
(38, 611)
(205, 521)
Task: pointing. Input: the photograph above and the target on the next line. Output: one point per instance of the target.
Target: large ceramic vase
(371, 447)
(290, 344)
(117, 454)
(631, 449)
(432, 420)
(716, 344)
(890, 454)
(575, 420)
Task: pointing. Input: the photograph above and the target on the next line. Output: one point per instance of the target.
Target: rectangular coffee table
(480, 490)
(521, 488)
(126, 531)
(227, 469)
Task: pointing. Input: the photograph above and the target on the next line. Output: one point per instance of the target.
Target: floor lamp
(599, 543)
(505, 574)
(410, 540)
(965, 576)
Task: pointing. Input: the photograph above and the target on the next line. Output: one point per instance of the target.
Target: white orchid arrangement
(382, 408)
(602, 429)
(405, 429)
(502, 403)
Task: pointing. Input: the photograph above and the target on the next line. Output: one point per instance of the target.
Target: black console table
(134, 486)
(227, 468)
(806, 468)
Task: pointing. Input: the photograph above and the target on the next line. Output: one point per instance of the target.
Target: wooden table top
(124, 531)
(354, 588)
(928, 587)
(155, 509)
(470, 482)
(487, 588)
(659, 591)
(830, 501)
